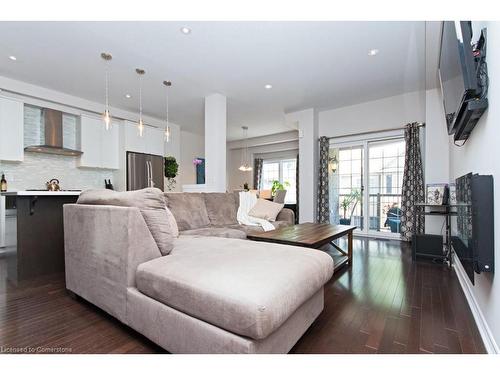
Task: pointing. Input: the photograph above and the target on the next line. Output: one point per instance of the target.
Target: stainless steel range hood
(53, 135)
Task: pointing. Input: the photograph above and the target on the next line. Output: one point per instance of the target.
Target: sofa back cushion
(150, 202)
(188, 209)
(221, 208)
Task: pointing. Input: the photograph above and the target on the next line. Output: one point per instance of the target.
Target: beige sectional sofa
(214, 214)
(208, 295)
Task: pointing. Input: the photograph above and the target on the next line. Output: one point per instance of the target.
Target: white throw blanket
(247, 201)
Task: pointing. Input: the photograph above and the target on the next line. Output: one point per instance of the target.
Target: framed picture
(453, 193)
(434, 194)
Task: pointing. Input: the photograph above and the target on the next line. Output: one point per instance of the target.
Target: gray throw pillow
(149, 201)
(265, 209)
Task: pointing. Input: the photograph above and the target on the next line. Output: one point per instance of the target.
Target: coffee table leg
(349, 247)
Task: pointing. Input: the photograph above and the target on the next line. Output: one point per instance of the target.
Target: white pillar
(215, 143)
(307, 123)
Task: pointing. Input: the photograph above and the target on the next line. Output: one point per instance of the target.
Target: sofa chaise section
(113, 261)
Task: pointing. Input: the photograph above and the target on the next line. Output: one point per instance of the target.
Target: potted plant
(245, 186)
(349, 201)
(278, 186)
(171, 169)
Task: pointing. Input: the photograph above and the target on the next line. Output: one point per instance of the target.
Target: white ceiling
(309, 64)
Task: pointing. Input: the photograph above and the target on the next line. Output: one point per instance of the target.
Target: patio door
(365, 180)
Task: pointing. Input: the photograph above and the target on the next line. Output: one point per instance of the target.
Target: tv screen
(451, 73)
(461, 80)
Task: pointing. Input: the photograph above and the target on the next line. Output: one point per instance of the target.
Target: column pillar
(215, 143)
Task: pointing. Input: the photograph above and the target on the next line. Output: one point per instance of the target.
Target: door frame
(365, 178)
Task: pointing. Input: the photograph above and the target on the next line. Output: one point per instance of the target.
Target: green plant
(278, 186)
(350, 200)
(171, 167)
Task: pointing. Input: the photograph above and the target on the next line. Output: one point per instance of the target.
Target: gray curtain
(257, 173)
(413, 184)
(323, 203)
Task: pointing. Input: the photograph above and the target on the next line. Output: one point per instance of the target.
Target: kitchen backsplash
(36, 169)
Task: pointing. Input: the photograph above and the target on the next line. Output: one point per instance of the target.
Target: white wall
(192, 146)
(306, 122)
(481, 154)
(386, 113)
(436, 151)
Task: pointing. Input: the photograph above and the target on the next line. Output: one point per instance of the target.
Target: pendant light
(106, 116)
(167, 126)
(140, 124)
(245, 166)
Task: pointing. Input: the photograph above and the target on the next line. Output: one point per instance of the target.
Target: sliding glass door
(346, 185)
(365, 185)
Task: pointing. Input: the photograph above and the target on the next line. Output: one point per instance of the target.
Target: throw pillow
(265, 209)
(149, 201)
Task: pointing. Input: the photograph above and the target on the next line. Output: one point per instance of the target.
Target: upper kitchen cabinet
(151, 141)
(100, 147)
(11, 130)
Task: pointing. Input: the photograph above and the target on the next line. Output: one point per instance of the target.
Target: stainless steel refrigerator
(144, 170)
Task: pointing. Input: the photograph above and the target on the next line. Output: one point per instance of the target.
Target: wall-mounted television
(463, 77)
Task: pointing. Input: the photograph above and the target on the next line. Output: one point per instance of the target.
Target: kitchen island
(34, 233)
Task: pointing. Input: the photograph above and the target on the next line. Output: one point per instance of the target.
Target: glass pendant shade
(140, 124)
(245, 165)
(167, 126)
(106, 116)
(107, 119)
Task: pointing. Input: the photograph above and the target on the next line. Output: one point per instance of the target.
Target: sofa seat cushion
(221, 208)
(216, 232)
(188, 209)
(245, 287)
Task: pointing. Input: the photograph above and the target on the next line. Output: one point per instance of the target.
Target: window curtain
(413, 184)
(257, 173)
(323, 203)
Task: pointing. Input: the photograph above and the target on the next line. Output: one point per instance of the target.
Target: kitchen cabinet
(152, 141)
(11, 130)
(100, 147)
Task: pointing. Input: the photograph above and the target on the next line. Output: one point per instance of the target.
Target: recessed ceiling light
(13, 58)
(185, 30)
(373, 52)
(128, 96)
(268, 86)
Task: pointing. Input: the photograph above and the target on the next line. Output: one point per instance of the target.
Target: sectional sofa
(214, 214)
(207, 295)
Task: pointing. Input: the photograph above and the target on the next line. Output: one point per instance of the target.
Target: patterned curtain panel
(323, 203)
(297, 190)
(257, 173)
(413, 184)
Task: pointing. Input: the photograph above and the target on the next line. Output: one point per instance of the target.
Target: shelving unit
(437, 210)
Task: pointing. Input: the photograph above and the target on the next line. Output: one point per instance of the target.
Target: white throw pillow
(265, 209)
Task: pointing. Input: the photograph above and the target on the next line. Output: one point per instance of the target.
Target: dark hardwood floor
(385, 303)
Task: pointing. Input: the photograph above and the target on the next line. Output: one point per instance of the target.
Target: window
(283, 171)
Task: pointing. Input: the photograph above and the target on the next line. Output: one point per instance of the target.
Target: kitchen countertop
(39, 193)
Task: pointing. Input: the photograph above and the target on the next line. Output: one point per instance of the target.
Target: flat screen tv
(463, 77)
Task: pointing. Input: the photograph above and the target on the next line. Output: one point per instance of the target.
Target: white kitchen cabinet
(151, 142)
(11, 130)
(100, 147)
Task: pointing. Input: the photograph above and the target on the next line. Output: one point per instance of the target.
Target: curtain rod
(420, 125)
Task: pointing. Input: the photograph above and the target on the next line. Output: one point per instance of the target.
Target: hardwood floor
(385, 303)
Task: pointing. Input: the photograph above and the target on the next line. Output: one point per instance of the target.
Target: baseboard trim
(484, 330)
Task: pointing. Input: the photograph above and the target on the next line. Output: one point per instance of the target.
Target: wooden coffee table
(313, 235)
